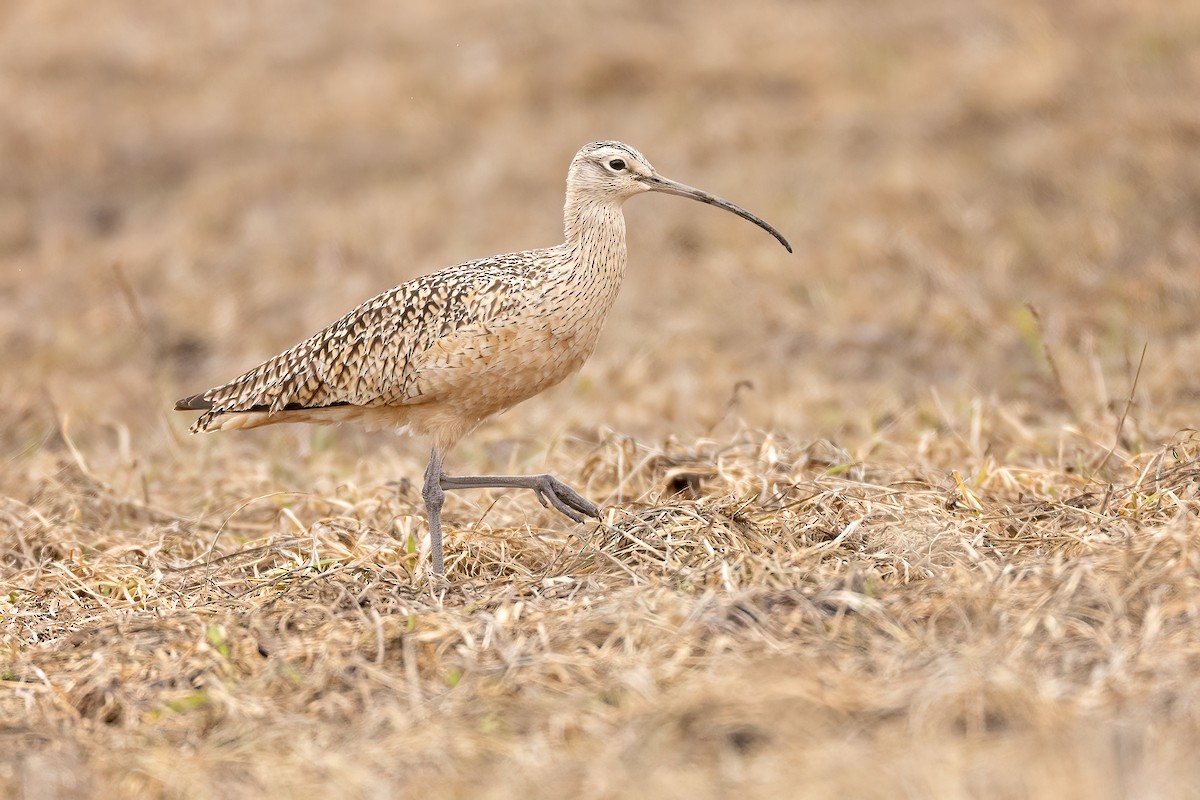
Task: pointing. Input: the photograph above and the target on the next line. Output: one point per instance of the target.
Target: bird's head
(612, 172)
(608, 171)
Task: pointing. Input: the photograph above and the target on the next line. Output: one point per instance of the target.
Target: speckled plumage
(478, 337)
(441, 353)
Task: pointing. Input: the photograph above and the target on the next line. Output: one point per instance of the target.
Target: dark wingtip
(194, 403)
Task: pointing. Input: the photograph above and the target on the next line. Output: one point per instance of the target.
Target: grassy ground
(913, 512)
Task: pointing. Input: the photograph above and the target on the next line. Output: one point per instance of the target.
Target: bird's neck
(595, 235)
(589, 276)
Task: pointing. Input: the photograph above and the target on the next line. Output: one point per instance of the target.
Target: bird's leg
(550, 491)
(433, 496)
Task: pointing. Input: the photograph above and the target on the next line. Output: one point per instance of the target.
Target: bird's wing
(370, 356)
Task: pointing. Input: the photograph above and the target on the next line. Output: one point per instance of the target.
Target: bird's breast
(548, 329)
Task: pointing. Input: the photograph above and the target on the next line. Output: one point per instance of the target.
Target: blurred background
(186, 189)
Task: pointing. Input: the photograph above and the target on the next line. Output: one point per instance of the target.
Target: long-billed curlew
(443, 352)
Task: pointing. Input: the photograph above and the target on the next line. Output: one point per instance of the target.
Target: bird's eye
(617, 164)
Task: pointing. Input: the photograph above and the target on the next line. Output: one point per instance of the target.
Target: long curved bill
(660, 184)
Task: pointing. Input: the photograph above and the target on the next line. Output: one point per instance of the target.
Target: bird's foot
(551, 491)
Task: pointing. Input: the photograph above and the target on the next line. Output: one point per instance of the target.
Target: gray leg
(550, 491)
(433, 495)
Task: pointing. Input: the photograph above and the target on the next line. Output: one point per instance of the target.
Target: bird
(439, 354)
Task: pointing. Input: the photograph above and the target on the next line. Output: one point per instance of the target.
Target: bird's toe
(565, 499)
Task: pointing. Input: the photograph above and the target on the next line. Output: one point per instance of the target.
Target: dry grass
(946, 545)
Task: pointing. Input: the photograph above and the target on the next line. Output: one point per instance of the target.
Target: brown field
(906, 514)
